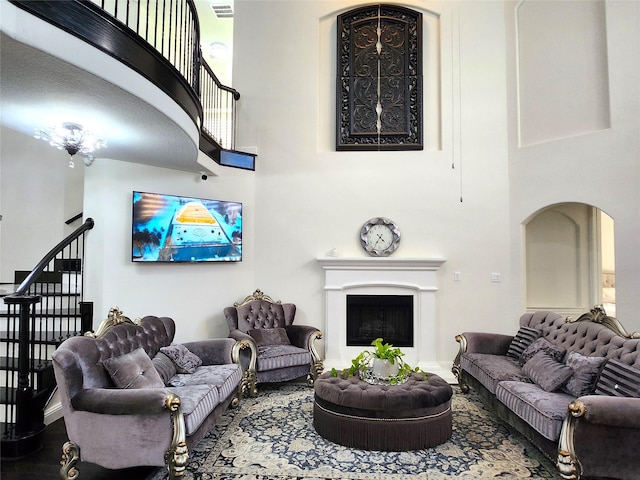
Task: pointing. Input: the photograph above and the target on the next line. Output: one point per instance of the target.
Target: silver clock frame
(364, 241)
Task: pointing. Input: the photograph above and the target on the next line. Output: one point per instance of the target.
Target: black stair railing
(45, 309)
(160, 39)
(219, 114)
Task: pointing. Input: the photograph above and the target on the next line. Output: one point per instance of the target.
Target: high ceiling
(216, 30)
(39, 89)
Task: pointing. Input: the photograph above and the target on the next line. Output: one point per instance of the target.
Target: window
(379, 79)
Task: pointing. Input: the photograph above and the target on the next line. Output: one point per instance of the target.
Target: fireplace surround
(414, 277)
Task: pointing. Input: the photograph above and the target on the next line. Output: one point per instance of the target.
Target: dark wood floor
(45, 464)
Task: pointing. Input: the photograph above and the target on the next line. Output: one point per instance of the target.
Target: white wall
(194, 295)
(39, 192)
(311, 198)
(600, 167)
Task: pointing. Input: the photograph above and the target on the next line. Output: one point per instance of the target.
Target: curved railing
(160, 39)
(46, 308)
(30, 279)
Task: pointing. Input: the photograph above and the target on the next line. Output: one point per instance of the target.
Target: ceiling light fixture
(218, 50)
(72, 138)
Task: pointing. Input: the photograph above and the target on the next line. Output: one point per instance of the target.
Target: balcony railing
(160, 39)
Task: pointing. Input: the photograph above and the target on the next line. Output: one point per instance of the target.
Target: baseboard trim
(52, 413)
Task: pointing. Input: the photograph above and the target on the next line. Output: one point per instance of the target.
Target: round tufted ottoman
(411, 416)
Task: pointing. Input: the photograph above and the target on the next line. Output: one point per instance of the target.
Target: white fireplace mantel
(380, 263)
(382, 276)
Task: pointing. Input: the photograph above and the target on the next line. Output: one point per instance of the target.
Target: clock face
(379, 237)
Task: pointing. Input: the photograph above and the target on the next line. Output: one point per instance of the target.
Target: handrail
(74, 218)
(219, 108)
(39, 268)
(46, 308)
(217, 101)
(171, 27)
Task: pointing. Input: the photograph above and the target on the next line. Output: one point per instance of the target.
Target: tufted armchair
(280, 351)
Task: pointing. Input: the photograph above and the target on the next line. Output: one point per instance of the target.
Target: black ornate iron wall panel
(379, 84)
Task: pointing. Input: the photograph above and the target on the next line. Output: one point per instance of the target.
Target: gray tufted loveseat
(138, 425)
(592, 434)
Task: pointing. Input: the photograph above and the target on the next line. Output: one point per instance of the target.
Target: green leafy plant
(386, 351)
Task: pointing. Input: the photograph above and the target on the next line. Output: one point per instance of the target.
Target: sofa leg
(177, 456)
(249, 382)
(70, 456)
(567, 462)
(176, 461)
(316, 370)
(456, 369)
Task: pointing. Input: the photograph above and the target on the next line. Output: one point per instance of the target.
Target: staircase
(40, 309)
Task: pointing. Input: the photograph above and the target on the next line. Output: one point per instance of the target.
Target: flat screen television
(171, 228)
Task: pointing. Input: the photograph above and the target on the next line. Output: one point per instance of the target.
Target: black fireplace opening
(389, 317)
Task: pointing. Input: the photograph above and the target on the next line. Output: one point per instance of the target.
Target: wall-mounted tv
(171, 228)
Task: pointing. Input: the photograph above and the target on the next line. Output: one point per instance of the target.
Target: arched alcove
(569, 259)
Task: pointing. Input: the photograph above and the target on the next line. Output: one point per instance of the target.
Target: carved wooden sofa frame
(279, 315)
(103, 422)
(590, 421)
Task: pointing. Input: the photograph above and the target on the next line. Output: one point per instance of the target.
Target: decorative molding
(385, 263)
(115, 317)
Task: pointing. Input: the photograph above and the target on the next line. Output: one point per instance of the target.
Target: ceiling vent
(222, 11)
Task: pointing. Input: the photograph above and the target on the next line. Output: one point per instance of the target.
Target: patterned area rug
(272, 437)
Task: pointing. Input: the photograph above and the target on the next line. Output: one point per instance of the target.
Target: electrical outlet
(456, 276)
(496, 277)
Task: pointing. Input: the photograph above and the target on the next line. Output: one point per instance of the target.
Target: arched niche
(569, 259)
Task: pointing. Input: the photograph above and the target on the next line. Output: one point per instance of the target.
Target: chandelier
(72, 138)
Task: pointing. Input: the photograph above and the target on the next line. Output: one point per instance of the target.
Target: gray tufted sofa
(124, 427)
(595, 435)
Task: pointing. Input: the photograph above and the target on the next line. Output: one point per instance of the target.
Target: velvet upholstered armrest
(239, 336)
(213, 351)
(300, 335)
(116, 401)
(480, 342)
(607, 410)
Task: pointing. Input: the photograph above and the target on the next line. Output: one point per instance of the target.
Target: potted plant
(382, 365)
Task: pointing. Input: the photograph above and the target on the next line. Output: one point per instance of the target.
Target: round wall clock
(379, 237)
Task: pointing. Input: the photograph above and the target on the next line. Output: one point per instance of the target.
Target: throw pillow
(547, 372)
(585, 374)
(269, 336)
(522, 339)
(165, 367)
(133, 370)
(544, 345)
(619, 380)
(184, 360)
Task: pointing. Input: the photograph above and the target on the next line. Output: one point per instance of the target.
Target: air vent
(222, 11)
